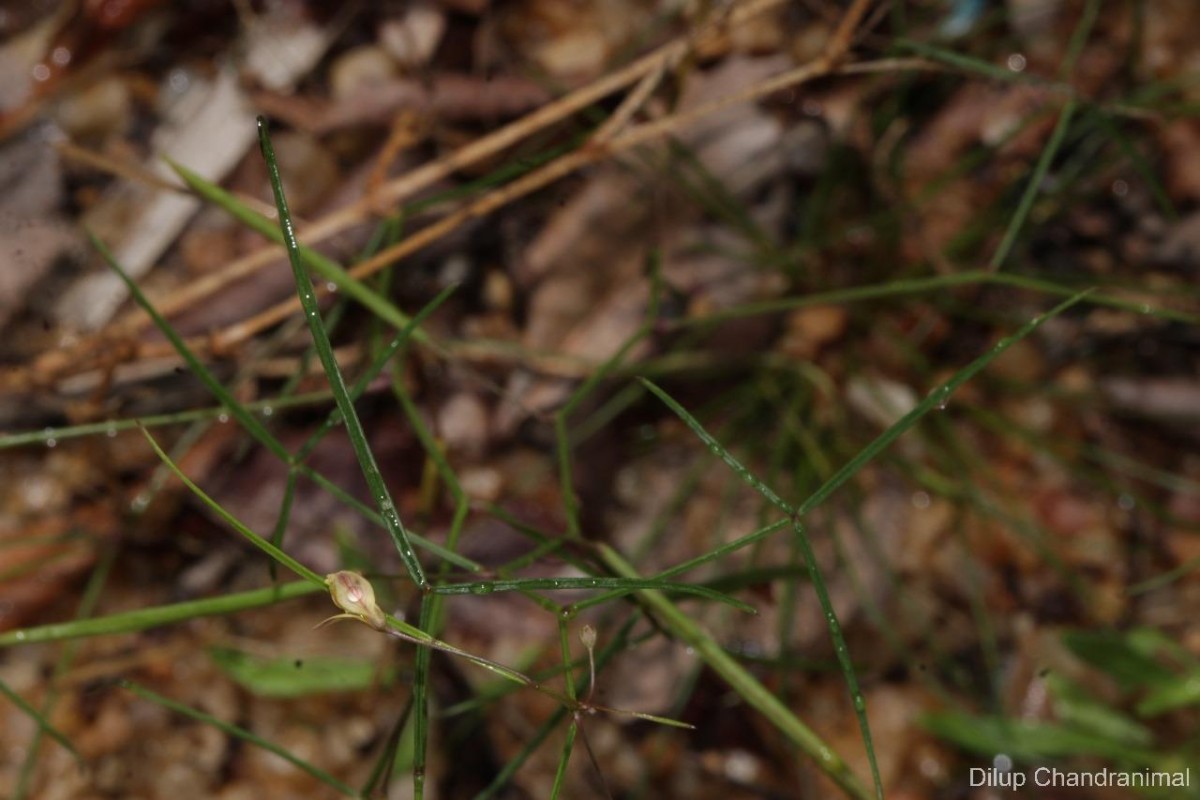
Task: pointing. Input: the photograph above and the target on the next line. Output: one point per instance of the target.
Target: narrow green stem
(312, 312)
(746, 685)
(155, 616)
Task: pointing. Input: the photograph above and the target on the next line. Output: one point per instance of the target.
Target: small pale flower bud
(353, 593)
(588, 636)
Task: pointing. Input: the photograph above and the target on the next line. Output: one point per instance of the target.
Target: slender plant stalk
(312, 312)
(741, 681)
(240, 733)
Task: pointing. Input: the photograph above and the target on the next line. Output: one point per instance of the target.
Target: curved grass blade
(565, 473)
(1034, 186)
(740, 680)
(618, 587)
(718, 449)
(143, 618)
(240, 733)
(840, 649)
(420, 701)
(250, 536)
(312, 312)
(66, 658)
(324, 266)
(115, 426)
(936, 399)
(43, 724)
(241, 412)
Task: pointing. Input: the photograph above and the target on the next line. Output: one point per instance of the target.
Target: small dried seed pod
(354, 595)
(588, 637)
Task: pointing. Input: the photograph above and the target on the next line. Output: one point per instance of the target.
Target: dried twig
(647, 70)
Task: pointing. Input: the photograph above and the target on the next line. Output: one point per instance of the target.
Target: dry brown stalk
(421, 178)
(647, 70)
(565, 165)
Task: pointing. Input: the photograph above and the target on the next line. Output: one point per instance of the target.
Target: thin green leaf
(1034, 186)
(1181, 691)
(326, 267)
(1118, 655)
(240, 733)
(143, 618)
(1026, 740)
(239, 412)
(115, 426)
(249, 535)
(312, 312)
(1076, 707)
(420, 702)
(618, 585)
(741, 681)
(40, 720)
(718, 449)
(293, 676)
(376, 367)
(840, 649)
(564, 758)
(936, 399)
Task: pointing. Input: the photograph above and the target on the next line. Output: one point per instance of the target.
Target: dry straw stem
(607, 142)
(834, 53)
(406, 186)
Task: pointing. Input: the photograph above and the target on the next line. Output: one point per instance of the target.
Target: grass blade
(619, 586)
(719, 449)
(324, 266)
(740, 680)
(239, 412)
(840, 648)
(153, 617)
(250, 536)
(240, 733)
(936, 399)
(312, 312)
(43, 724)
(1034, 186)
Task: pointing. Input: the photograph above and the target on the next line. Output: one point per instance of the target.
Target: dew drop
(330, 286)
(139, 503)
(222, 418)
(19, 636)
(111, 432)
(482, 588)
(1126, 502)
(267, 411)
(51, 443)
(178, 80)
